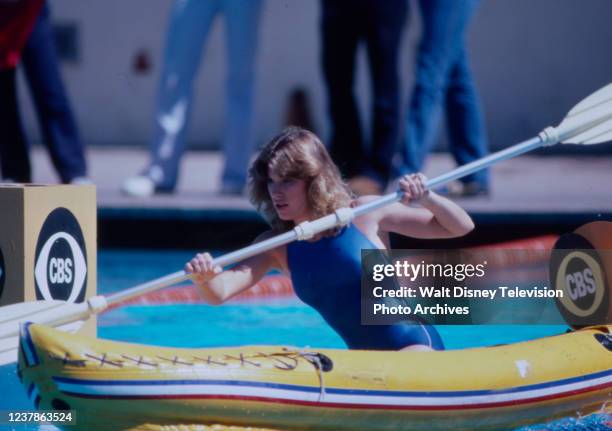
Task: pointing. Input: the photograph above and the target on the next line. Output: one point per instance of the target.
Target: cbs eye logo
(60, 268)
(577, 268)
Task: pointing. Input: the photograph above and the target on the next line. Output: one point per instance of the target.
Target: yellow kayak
(112, 385)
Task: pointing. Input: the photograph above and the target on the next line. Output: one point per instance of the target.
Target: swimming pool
(282, 322)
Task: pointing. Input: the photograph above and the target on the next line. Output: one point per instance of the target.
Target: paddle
(589, 122)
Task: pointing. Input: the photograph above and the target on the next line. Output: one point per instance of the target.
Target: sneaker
(362, 185)
(138, 186)
(458, 189)
(79, 181)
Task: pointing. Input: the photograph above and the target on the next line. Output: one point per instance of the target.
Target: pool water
(279, 322)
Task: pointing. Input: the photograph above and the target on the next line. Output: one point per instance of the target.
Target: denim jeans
(53, 109)
(443, 78)
(190, 23)
(344, 25)
(14, 155)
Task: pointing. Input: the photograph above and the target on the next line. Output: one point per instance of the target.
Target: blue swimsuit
(326, 275)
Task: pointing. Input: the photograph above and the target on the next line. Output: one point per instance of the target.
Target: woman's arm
(217, 286)
(439, 217)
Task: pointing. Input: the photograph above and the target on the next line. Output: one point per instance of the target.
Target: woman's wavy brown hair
(298, 154)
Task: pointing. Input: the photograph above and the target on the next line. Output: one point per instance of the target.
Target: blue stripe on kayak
(331, 390)
(23, 354)
(29, 344)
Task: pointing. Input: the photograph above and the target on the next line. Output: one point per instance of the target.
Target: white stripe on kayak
(118, 390)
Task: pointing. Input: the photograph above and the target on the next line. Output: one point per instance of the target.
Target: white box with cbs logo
(48, 244)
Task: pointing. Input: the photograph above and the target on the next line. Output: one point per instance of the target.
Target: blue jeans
(14, 155)
(443, 78)
(190, 23)
(53, 110)
(344, 26)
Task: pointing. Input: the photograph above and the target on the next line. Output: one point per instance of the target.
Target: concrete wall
(533, 59)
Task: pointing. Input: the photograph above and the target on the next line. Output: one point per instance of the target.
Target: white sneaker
(139, 186)
(79, 181)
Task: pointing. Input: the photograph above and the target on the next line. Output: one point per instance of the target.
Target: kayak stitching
(103, 360)
(175, 361)
(140, 361)
(209, 360)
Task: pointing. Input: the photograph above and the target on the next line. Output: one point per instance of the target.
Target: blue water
(284, 322)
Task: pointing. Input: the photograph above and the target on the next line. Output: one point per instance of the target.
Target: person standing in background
(16, 21)
(344, 25)
(443, 78)
(190, 23)
(57, 123)
(42, 72)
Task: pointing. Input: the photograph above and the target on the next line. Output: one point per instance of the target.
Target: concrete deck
(523, 185)
(531, 196)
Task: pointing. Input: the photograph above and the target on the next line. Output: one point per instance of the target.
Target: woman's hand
(202, 267)
(414, 187)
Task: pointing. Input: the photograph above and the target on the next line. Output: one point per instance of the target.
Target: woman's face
(289, 198)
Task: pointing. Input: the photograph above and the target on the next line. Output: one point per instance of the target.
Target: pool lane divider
(270, 287)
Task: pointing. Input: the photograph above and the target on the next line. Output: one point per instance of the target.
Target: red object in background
(528, 251)
(142, 62)
(17, 18)
(270, 287)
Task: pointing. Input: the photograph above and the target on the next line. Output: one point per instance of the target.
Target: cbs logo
(580, 283)
(580, 273)
(60, 268)
(577, 268)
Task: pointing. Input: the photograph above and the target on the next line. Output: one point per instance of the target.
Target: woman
(293, 180)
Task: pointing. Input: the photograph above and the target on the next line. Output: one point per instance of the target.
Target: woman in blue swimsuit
(293, 180)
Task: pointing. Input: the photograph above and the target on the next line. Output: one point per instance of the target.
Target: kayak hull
(112, 385)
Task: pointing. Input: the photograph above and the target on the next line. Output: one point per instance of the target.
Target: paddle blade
(10, 345)
(596, 135)
(601, 96)
(22, 310)
(590, 121)
(47, 312)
